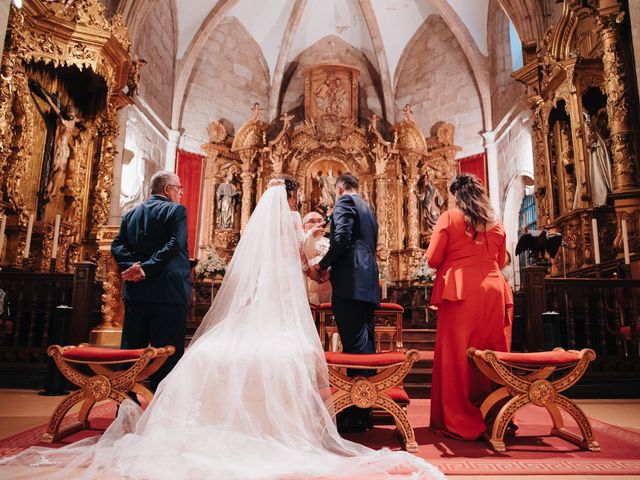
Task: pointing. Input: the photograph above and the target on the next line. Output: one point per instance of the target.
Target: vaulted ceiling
(380, 29)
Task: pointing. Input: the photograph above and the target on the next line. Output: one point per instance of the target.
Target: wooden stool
(107, 383)
(524, 379)
(383, 390)
(387, 329)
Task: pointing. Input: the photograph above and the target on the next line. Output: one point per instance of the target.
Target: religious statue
(432, 203)
(599, 164)
(407, 113)
(68, 128)
(332, 98)
(227, 199)
(327, 188)
(257, 110)
(133, 82)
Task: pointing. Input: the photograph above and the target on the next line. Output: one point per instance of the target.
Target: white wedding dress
(246, 400)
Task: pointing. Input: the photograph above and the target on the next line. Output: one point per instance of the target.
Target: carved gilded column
(620, 105)
(412, 202)
(108, 129)
(109, 331)
(247, 187)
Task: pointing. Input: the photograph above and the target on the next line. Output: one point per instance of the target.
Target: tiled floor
(22, 409)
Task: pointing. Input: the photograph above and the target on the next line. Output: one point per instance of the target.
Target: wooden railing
(30, 320)
(598, 313)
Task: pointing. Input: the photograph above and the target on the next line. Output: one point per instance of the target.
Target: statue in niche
(431, 203)
(599, 163)
(69, 123)
(327, 188)
(227, 198)
(133, 82)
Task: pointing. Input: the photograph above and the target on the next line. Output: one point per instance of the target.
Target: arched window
(517, 61)
(526, 221)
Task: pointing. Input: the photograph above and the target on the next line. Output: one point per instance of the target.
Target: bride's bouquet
(423, 272)
(212, 265)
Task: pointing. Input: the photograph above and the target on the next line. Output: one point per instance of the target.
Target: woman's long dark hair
(472, 199)
(290, 184)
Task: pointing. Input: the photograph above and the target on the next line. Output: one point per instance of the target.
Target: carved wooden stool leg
(402, 422)
(502, 421)
(587, 441)
(53, 433)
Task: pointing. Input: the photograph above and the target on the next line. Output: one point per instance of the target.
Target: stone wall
(229, 76)
(515, 161)
(434, 77)
(156, 44)
(505, 91)
(332, 49)
(143, 154)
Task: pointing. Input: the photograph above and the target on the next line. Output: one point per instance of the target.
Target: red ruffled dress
(475, 305)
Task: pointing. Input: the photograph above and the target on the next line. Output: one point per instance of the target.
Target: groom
(354, 279)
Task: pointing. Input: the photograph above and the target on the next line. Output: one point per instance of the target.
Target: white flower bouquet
(423, 272)
(212, 265)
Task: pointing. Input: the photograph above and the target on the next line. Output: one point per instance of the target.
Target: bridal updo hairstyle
(290, 184)
(472, 199)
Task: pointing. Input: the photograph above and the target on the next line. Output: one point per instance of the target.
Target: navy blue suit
(155, 234)
(354, 282)
(354, 272)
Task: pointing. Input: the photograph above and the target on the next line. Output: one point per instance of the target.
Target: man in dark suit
(151, 247)
(354, 279)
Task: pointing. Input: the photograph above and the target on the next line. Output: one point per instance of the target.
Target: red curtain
(189, 169)
(476, 165)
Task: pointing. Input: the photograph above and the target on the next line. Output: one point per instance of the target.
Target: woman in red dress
(468, 250)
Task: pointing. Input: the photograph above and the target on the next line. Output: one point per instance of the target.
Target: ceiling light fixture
(17, 3)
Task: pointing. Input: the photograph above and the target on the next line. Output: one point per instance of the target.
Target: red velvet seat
(382, 391)
(369, 360)
(394, 307)
(100, 354)
(526, 378)
(109, 380)
(536, 359)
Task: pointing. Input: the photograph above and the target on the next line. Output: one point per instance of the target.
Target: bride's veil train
(246, 400)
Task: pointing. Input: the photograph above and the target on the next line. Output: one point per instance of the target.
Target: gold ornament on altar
(584, 140)
(404, 178)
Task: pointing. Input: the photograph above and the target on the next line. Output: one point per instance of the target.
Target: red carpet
(532, 452)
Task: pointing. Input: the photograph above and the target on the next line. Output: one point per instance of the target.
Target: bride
(246, 400)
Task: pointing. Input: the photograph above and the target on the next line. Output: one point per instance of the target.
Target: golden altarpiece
(585, 134)
(404, 176)
(64, 67)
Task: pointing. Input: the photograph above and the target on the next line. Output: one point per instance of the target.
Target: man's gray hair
(160, 179)
(308, 216)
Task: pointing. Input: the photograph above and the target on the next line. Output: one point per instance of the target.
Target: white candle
(27, 244)
(3, 225)
(625, 242)
(56, 234)
(596, 242)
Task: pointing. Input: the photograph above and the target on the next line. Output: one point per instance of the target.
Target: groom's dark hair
(348, 181)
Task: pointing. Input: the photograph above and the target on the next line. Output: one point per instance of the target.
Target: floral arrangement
(423, 272)
(212, 265)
